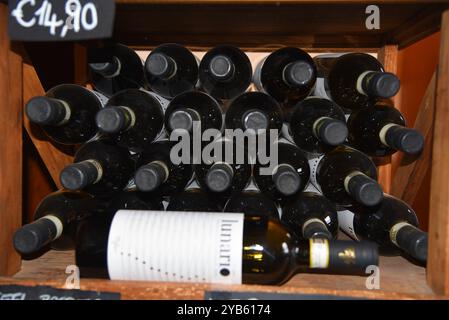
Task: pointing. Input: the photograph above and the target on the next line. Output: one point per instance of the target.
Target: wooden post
(10, 148)
(438, 260)
(388, 55)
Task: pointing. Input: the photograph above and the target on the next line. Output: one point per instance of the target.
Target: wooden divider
(438, 261)
(388, 55)
(10, 147)
(54, 157)
(413, 169)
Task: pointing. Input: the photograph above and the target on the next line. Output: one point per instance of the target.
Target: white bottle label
(257, 77)
(176, 246)
(320, 89)
(286, 132)
(313, 164)
(346, 223)
(319, 253)
(103, 99)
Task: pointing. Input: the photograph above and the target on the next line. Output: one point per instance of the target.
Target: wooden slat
(55, 157)
(388, 55)
(10, 148)
(413, 169)
(438, 261)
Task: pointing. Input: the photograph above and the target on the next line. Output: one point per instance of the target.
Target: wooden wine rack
(255, 26)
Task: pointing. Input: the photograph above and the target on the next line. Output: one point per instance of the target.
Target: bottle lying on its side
(184, 246)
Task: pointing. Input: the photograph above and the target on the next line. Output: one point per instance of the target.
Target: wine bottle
(133, 118)
(288, 178)
(188, 107)
(255, 111)
(252, 202)
(287, 74)
(66, 113)
(225, 72)
(224, 175)
(317, 125)
(115, 68)
(56, 219)
(100, 168)
(157, 172)
(354, 79)
(346, 176)
(91, 236)
(392, 224)
(171, 69)
(193, 199)
(310, 215)
(228, 248)
(380, 131)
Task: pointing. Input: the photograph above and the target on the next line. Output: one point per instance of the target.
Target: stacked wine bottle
(173, 181)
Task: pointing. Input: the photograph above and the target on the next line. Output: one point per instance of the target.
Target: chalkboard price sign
(16, 292)
(60, 20)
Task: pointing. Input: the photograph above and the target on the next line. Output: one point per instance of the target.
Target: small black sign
(15, 292)
(60, 20)
(231, 295)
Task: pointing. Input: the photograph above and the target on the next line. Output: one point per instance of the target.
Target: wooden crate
(256, 26)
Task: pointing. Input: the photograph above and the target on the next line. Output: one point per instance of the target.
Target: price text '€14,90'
(78, 17)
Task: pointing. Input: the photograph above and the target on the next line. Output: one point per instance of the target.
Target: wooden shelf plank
(10, 147)
(367, 2)
(258, 25)
(438, 261)
(399, 279)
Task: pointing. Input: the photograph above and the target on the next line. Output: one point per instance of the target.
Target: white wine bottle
(220, 248)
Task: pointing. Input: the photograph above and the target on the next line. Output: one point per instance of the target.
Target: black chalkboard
(61, 20)
(15, 292)
(232, 295)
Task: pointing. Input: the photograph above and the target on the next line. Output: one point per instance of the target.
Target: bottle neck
(34, 236)
(107, 70)
(151, 176)
(362, 188)
(82, 174)
(48, 111)
(115, 119)
(330, 131)
(315, 228)
(298, 74)
(410, 239)
(221, 68)
(161, 65)
(336, 256)
(255, 119)
(286, 180)
(183, 119)
(378, 84)
(219, 177)
(398, 137)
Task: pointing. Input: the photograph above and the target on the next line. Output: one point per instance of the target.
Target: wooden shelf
(399, 279)
(261, 25)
